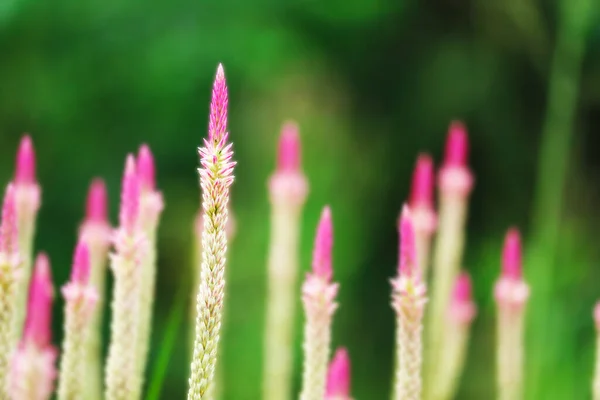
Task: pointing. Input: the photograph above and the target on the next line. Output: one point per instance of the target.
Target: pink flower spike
(288, 156)
(408, 255)
(457, 146)
(512, 255)
(597, 315)
(338, 375)
(96, 205)
(81, 264)
(130, 196)
(217, 125)
(462, 288)
(145, 168)
(25, 168)
(8, 231)
(39, 305)
(423, 183)
(323, 246)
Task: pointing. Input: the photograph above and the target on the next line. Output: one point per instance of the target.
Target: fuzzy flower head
(455, 176)
(288, 154)
(338, 376)
(462, 308)
(38, 330)
(9, 238)
(421, 195)
(217, 126)
(130, 196)
(408, 265)
(510, 288)
(80, 272)
(146, 169)
(151, 201)
(79, 290)
(25, 165)
(288, 185)
(97, 203)
(321, 266)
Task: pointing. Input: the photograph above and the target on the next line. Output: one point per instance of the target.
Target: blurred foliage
(371, 83)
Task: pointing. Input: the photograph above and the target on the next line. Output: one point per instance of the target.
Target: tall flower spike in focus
(27, 198)
(288, 189)
(455, 182)
(461, 312)
(422, 208)
(151, 206)
(10, 278)
(511, 294)
(216, 177)
(131, 247)
(338, 377)
(408, 300)
(81, 298)
(95, 231)
(33, 368)
(318, 298)
(596, 381)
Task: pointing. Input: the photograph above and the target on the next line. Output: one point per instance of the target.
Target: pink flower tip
(408, 253)
(288, 155)
(462, 288)
(145, 168)
(338, 375)
(8, 231)
(218, 108)
(81, 264)
(39, 305)
(512, 255)
(423, 183)
(323, 245)
(97, 203)
(130, 196)
(457, 146)
(597, 315)
(25, 168)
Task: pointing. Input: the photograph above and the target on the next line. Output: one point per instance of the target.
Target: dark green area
(371, 83)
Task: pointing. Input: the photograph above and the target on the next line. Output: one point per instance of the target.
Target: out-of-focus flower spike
(9, 239)
(288, 154)
(130, 196)
(323, 245)
(39, 306)
(81, 264)
(408, 265)
(97, 202)
(338, 376)
(146, 169)
(25, 166)
(217, 127)
(421, 195)
(457, 146)
(511, 255)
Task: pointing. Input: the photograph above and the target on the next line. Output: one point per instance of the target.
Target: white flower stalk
(80, 300)
(33, 370)
(95, 232)
(455, 184)
(130, 249)
(288, 189)
(408, 300)
(596, 380)
(151, 206)
(511, 293)
(10, 275)
(461, 312)
(318, 298)
(216, 177)
(27, 199)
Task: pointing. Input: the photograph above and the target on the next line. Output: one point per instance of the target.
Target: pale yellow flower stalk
(596, 380)
(27, 199)
(10, 275)
(408, 300)
(80, 300)
(455, 184)
(461, 312)
(216, 177)
(288, 189)
(95, 231)
(511, 294)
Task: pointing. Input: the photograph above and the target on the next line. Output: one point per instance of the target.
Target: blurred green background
(371, 83)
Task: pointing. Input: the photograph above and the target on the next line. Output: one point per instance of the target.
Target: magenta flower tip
(81, 264)
(323, 246)
(145, 168)
(423, 183)
(338, 375)
(597, 315)
(463, 288)
(97, 203)
(8, 231)
(457, 145)
(408, 252)
(130, 196)
(218, 108)
(288, 155)
(39, 305)
(512, 255)
(25, 168)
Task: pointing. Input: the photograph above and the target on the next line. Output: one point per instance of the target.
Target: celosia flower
(511, 293)
(33, 368)
(408, 300)
(338, 377)
(288, 190)
(216, 177)
(80, 300)
(318, 298)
